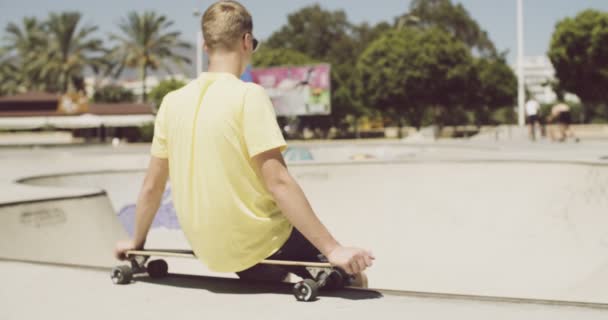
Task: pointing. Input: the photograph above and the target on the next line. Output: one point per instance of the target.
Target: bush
(506, 115)
(160, 91)
(113, 94)
(146, 132)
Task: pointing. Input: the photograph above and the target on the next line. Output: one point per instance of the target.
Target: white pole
(521, 91)
(199, 52)
(199, 43)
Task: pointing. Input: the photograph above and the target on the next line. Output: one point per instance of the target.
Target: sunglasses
(255, 41)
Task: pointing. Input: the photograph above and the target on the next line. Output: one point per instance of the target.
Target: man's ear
(245, 41)
(206, 49)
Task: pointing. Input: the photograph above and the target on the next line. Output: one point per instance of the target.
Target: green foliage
(146, 42)
(160, 91)
(312, 31)
(454, 19)
(364, 34)
(52, 54)
(268, 57)
(405, 71)
(9, 75)
(24, 45)
(71, 48)
(146, 132)
(598, 120)
(113, 94)
(506, 115)
(579, 53)
(496, 88)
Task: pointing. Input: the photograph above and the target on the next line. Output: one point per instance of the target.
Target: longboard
(327, 277)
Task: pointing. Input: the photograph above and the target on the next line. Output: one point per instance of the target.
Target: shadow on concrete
(236, 286)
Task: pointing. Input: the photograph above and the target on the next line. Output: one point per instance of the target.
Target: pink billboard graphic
(297, 91)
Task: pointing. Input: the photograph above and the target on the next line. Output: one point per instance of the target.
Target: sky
(498, 17)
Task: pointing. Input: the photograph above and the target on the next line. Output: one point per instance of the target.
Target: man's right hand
(351, 260)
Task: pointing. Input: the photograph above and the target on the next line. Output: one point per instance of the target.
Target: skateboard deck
(190, 254)
(327, 277)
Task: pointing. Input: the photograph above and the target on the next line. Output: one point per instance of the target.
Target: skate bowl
(526, 229)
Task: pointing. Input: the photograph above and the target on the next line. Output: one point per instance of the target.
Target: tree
(408, 72)
(160, 91)
(71, 48)
(9, 75)
(268, 57)
(497, 88)
(113, 94)
(579, 53)
(492, 83)
(22, 54)
(146, 43)
(454, 19)
(345, 78)
(312, 31)
(364, 34)
(51, 55)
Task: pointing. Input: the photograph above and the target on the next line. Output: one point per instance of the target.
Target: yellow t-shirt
(209, 130)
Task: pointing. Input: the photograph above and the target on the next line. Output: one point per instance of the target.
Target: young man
(560, 114)
(532, 108)
(218, 140)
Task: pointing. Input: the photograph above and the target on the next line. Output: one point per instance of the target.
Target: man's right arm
(290, 198)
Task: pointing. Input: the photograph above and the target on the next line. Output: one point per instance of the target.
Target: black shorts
(532, 119)
(564, 117)
(296, 248)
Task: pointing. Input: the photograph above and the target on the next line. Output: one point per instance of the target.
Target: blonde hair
(224, 23)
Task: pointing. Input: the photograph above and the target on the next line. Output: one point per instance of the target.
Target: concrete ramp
(72, 231)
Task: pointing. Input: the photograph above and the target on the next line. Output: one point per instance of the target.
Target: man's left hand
(121, 248)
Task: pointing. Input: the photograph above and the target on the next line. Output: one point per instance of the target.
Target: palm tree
(49, 55)
(71, 49)
(146, 43)
(9, 74)
(24, 44)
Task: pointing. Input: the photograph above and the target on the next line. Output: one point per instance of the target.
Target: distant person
(532, 109)
(219, 141)
(562, 117)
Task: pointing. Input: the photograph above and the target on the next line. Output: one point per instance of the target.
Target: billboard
(297, 91)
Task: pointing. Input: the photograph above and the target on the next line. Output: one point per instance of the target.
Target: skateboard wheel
(121, 275)
(158, 268)
(306, 290)
(335, 280)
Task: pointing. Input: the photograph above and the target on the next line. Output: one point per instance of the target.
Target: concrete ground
(39, 291)
(423, 207)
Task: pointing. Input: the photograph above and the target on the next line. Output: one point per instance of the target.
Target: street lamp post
(199, 44)
(521, 91)
(407, 20)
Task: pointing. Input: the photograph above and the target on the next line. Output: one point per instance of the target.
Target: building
(538, 74)
(36, 111)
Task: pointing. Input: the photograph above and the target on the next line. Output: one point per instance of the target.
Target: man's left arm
(148, 203)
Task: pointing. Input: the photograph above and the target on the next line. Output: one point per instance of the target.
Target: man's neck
(227, 63)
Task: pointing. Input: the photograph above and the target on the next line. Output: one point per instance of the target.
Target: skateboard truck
(139, 265)
(308, 289)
